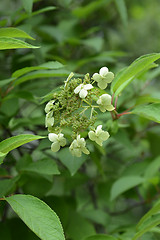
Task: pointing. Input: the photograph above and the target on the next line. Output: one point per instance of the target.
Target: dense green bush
(87, 190)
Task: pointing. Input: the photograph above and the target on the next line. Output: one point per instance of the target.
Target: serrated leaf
(123, 184)
(16, 141)
(44, 166)
(14, 33)
(47, 65)
(151, 111)
(38, 216)
(12, 43)
(125, 76)
(101, 237)
(71, 162)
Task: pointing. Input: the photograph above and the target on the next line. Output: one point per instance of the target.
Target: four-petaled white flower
(49, 120)
(98, 135)
(104, 103)
(78, 146)
(49, 106)
(58, 141)
(82, 90)
(103, 77)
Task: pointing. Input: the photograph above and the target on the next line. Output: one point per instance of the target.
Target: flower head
(98, 135)
(49, 120)
(104, 103)
(103, 77)
(82, 90)
(58, 141)
(78, 146)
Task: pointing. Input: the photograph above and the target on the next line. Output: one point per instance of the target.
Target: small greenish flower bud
(82, 90)
(104, 103)
(49, 106)
(78, 146)
(103, 77)
(49, 120)
(58, 141)
(98, 135)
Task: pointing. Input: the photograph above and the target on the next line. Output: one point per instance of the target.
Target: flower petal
(88, 86)
(104, 136)
(102, 84)
(99, 141)
(78, 89)
(83, 93)
(85, 150)
(52, 137)
(103, 71)
(96, 77)
(110, 107)
(92, 135)
(55, 147)
(109, 77)
(63, 142)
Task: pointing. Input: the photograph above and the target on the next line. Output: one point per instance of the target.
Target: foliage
(99, 180)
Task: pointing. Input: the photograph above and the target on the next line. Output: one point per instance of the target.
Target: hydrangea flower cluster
(74, 109)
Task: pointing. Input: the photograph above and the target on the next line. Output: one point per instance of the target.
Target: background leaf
(123, 184)
(151, 111)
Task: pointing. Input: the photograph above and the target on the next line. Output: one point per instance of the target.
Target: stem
(112, 98)
(124, 113)
(116, 102)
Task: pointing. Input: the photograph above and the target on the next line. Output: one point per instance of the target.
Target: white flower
(58, 141)
(49, 106)
(103, 77)
(98, 135)
(78, 146)
(49, 120)
(82, 90)
(104, 103)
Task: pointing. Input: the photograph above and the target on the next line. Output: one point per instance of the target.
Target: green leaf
(7, 185)
(27, 4)
(101, 237)
(42, 74)
(150, 223)
(121, 6)
(2, 156)
(153, 168)
(16, 141)
(123, 184)
(44, 166)
(38, 216)
(151, 111)
(6, 81)
(154, 210)
(25, 15)
(126, 75)
(71, 162)
(47, 65)
(12, 43)
(90, 8)
(146, 99)
(13, 33)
